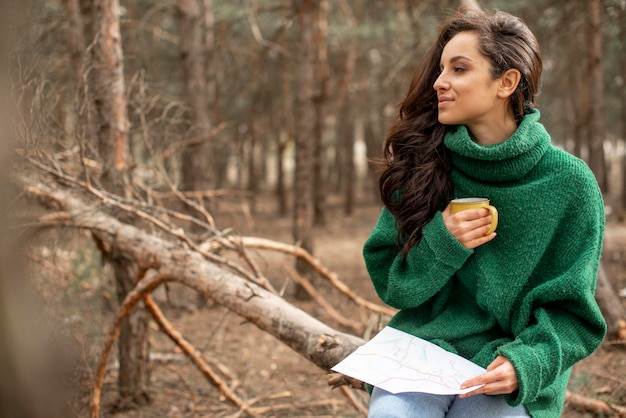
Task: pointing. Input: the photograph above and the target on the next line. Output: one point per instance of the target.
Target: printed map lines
(399, 362)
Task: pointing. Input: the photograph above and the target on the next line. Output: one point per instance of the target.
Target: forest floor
(261, 370)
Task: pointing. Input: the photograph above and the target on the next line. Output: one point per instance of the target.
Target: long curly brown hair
(415, 182)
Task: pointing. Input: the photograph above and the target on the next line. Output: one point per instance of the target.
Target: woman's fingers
(470, 226)
(500, 379)
(480, 240)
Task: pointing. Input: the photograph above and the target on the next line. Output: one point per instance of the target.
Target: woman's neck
(494, 131)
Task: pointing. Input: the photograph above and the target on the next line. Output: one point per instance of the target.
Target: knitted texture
(529, 293)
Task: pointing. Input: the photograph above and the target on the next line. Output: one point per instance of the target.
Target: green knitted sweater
(529, 293)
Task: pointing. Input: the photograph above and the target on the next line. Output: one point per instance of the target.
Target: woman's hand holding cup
(472, 221)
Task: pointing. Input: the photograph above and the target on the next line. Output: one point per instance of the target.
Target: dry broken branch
(174, 261)
(332, 312)
(179, 145)
(261, 243)
(362, 409)
(594, 405)
(136, 209)
(193, 355)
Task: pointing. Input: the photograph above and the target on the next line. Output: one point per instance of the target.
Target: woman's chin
(447, 121)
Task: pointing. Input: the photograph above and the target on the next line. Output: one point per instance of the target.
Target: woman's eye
(459, 69)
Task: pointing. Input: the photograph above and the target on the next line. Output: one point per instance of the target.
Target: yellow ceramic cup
(458, 205)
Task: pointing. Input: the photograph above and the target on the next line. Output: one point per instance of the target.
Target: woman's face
(466, 91)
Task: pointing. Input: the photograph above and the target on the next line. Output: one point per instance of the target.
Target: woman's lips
(443, 101)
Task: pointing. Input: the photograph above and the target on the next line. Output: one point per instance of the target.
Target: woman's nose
(440, 82)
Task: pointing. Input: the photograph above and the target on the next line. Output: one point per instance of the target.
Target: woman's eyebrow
(459, 57)
(455, 59)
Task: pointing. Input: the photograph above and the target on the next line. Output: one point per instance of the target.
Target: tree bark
(343, 174)
(209, 52)
(597, 131)
(621, 35)
(581, 102)
(84, 130)
(286, 134)
(109, 95)
(198, 158)
(376, 122)
(346, 159)
(75, 37)
(320, 165)
(304, 123)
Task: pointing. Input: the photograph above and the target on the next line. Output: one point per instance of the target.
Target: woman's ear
(508, 82)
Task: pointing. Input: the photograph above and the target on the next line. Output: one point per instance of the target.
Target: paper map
(398, 362)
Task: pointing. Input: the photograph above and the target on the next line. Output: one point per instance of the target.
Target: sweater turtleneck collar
(505, 161)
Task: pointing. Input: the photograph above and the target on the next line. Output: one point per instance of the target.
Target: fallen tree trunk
(314, 340)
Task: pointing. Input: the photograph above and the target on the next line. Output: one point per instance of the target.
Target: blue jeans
(424, 405)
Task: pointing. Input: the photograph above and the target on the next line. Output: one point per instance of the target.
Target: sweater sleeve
(407, 282)
(559, 322)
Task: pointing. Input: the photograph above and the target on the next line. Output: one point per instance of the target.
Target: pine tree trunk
(622, 34)
(76, 45)
(321, 78)
(345, 126)
(304, 124)
(375, 135)
(581, 102)
(597, 131)
(286, 134)
(347, 162)
(198, 157)
(109, 95)
(75, 37)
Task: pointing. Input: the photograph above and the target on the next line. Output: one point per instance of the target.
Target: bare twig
(362, 409)
(337, 380)
(114, 201)
(258, 36)
(199, 194)
(297, 251)
(273, 396)
(310, 289)
(146, 285)
(178, 145)
(182, 378)
(193, 355)
(159, 163)
(177, 232)
(241, 249)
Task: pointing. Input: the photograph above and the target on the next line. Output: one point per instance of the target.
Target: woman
(519, 301)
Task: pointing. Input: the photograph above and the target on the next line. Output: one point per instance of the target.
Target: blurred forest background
(222, 129)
